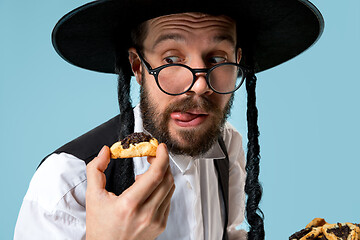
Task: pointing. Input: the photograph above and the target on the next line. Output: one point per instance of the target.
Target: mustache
(190, 103)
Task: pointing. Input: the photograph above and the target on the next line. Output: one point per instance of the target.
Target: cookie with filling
(136, 144)
(341, 231)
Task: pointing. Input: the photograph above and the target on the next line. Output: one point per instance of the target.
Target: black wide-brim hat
(272, 31)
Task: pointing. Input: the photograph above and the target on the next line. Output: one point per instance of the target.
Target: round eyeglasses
(176, 79)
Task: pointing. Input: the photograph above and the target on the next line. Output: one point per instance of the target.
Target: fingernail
(101, 151)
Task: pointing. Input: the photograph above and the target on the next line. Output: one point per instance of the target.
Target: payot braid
(253, 189)
(126, 109)
(120, 174)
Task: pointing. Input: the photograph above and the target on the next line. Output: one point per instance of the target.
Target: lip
(192, 118)
(198, 112)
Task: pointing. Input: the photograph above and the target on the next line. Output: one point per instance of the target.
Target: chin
(190, 137)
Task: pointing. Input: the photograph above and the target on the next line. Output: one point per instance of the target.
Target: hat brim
(274, 30)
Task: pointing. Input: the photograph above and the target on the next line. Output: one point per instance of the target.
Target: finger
(164, 209)
(138, 177)
(161, 192)
(167, 211)
(96, 179)
(144, 186)
(162, 214)
(161, 160)
(151, 159)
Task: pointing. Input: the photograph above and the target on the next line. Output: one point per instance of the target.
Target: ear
(239, 55)
(135, 63)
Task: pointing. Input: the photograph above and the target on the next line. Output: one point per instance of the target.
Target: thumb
(96, 179)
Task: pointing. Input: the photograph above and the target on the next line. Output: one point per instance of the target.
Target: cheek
(156, 96)
(221, 100)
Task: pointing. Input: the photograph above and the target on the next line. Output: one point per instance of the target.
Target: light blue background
(308, 115)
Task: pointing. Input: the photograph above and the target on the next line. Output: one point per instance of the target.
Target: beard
(197, 140)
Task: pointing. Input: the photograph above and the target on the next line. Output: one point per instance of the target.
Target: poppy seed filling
(135, 138)
(300, 234)
(340, 232)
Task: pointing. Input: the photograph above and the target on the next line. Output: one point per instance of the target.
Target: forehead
(187, 25)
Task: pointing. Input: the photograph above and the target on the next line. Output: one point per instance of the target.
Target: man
(189, 59)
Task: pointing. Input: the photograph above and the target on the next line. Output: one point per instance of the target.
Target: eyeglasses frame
(155, 73)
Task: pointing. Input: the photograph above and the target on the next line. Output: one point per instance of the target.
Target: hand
(140, 212)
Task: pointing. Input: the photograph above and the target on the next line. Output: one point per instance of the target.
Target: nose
(200, 86)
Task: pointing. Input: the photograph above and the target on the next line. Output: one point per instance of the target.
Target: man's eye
(216, 60)
(172, 59)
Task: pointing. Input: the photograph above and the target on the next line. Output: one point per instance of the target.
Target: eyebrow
(224, 37)
(171, 36)
(181, 38)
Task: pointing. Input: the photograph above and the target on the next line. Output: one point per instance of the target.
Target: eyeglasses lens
(175, 79)
(225, 78)
(178, 79)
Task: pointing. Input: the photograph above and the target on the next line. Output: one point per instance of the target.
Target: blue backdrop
(308, 115)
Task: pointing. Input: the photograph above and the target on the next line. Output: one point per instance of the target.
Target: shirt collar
(182, 162)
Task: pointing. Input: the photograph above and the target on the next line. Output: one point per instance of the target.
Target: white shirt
(54, 205)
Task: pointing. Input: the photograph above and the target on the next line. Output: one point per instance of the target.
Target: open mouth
(190, 118)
